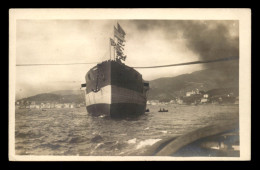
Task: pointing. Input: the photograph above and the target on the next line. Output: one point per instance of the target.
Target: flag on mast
(119, 47)
(120, 29)
(120, 43)
(112, 42)
(119, 35)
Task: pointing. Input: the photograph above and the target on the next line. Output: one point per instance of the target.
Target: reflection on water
(74, 132)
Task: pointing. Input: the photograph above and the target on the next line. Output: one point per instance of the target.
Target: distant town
(23, 104)
(195, 97)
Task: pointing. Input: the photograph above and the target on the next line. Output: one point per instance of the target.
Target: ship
(114, 89)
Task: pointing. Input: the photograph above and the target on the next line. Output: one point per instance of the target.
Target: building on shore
(172, 101)
(189, 93)
(154, 102)
(71, 106)
(204, 100)
(179, 101)
(32, 106)
(58, 106)
(45, 105)
(66, 105)
(49, 105)
(205, 96)
(193, 92)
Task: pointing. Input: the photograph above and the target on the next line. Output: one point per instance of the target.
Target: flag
(119, 47)
(120, 43)
(112, 42)
(120, 29)
(123, 57)
(119, 53)
(119, 35)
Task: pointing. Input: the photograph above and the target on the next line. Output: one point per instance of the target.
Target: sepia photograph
(129, 84)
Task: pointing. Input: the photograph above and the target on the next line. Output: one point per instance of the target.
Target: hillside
(204, 80)
(168, 88)
(44, 97)
(67, 92)
(49, 97)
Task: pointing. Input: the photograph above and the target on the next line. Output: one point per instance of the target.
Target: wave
(131, 141)
(146, 143)
(52, 146)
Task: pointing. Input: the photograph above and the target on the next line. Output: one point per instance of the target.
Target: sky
(148, 43)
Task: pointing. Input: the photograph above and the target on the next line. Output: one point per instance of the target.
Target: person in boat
(160, 110)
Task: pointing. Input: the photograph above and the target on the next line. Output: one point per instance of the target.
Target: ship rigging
(142, 67)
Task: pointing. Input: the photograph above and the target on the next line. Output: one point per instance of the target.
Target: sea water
(75, 132)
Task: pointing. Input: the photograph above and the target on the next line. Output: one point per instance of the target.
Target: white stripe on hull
(113, 94)
(102, 96)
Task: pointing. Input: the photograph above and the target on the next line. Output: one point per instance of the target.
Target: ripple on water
(74, 132)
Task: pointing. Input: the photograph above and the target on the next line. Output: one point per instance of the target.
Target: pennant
(119, 47)
(120, 29)
(122, 57)
(119, 53)
(121, 43)
(112, 42)
(119, 50)
(119, 35)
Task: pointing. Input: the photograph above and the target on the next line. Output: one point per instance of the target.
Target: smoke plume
(210, 40)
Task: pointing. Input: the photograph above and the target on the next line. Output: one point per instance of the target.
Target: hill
(67, 92)
(204, 80)
(44, 97)
(209, 80)
(49, 98)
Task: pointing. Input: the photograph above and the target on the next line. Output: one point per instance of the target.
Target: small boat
(44, 110)
(162, 110)
(147, 110)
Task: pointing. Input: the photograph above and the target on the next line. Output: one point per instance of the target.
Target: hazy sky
(148, 42)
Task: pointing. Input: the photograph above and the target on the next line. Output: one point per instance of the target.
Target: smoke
(210, 40)
(149, 42)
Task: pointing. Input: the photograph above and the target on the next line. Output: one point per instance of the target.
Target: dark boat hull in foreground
(115, 90)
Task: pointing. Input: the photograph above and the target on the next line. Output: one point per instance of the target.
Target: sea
(72, 131)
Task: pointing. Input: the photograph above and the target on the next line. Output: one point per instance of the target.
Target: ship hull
(116, 110)
(116, 90)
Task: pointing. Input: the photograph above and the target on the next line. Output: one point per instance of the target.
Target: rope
(170, 65)
(194, 62)
(52, 64)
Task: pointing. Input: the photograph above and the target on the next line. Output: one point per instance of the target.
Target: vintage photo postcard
(129, 84)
